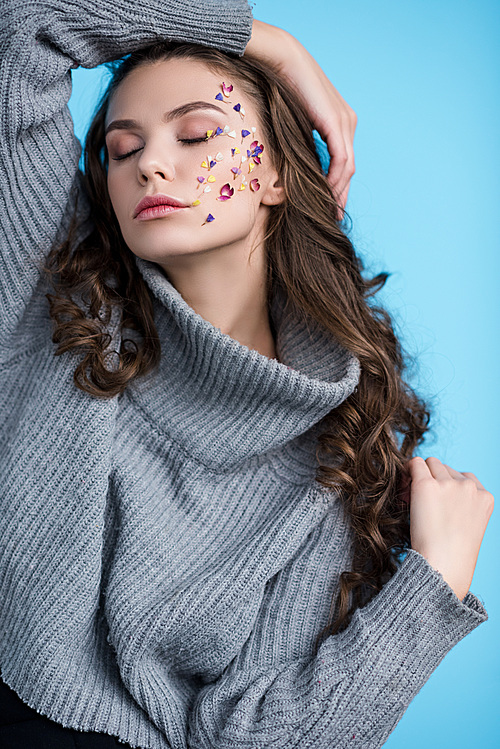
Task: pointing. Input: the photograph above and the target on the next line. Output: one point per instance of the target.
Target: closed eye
(126, 155)
(194, 140)
(187, 141)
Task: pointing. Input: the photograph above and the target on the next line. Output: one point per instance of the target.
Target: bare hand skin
(330, 115)
(449, 513)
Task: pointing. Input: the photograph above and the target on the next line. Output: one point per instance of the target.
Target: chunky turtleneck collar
(225, 403)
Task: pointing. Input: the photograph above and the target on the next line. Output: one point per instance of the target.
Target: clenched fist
(449, 512)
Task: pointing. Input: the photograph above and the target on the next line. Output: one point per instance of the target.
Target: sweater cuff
(222, 24)
(409, 626)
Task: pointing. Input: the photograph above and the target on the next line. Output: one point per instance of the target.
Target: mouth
(153, 206)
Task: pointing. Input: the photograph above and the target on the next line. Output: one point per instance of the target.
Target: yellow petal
(196, 202)
(211, 178)
(251, 167)
(204, 165)
(209, 133)
(237, 150)
(241, 187)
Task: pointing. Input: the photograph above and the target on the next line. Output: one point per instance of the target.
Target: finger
(340, 189)
(338, 160)
(342, 198)
(463, 476)
(341, 201)
(437, 469)
(454, 474)
(475, 480)
(342, 166)
(418, 469)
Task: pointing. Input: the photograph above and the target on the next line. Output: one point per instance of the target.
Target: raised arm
(330, 114)
(40, 42)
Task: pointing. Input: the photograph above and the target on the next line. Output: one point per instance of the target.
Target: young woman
(205, 492)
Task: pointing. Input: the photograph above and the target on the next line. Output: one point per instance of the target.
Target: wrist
(269, 42)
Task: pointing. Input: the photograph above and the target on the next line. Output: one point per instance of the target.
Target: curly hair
(366, 441)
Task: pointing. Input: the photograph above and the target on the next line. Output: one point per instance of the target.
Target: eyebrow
(174, 114)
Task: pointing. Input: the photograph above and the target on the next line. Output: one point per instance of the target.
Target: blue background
(423, 78)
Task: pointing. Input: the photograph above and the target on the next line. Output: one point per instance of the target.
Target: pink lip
(152, 201)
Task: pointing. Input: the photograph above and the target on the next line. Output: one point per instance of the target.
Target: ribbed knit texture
(167, 559)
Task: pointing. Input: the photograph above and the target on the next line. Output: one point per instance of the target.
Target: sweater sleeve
(40, 42)
(357, 688)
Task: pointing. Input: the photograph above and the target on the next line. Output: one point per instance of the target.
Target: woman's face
(168, 107)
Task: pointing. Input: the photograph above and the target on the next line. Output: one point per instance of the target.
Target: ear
(274, 193)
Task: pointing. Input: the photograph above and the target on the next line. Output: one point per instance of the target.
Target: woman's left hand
(330, 115)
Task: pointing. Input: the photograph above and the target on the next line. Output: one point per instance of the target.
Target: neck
(227, 287)
(225, 403)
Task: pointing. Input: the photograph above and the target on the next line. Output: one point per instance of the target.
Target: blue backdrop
(423, 78)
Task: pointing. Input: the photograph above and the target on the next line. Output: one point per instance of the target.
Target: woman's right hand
(449, 512)
(329, 113)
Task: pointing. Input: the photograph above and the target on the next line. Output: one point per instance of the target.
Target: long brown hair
(367, 439)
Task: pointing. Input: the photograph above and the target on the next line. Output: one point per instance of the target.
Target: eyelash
(187, 141)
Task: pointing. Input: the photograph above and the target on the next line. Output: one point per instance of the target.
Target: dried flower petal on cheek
(209, 163)
(239, 108)
(226, 192)
(255, 151)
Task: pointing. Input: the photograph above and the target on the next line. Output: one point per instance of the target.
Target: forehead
(167, 84)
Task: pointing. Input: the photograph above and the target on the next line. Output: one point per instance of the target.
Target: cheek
(114, 193)
(226, 177)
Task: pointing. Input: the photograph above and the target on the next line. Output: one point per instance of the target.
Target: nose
(154, 163)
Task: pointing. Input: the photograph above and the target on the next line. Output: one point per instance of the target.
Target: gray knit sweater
(167, 559)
